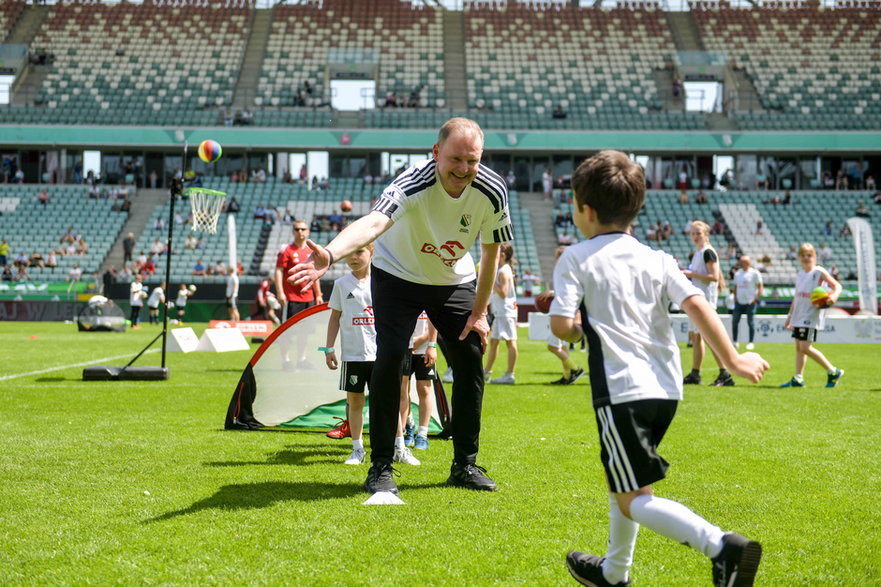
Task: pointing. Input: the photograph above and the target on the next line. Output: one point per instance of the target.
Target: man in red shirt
(294, 253)
(297, 301)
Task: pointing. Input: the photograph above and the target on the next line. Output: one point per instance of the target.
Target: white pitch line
(50, 369)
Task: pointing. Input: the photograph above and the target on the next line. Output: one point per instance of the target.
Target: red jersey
(262, 291)
(292, 255)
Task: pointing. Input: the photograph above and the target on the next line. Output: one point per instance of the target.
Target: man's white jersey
(135, 290)
(626, 288)
(699, 265)
(804, 313)
(351, 296)
(421, 329)
(746, 285)
(432, 233)
(156, 297)
(504, 307)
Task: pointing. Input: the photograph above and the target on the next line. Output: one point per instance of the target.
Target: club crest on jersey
(465, 220)
(353, 379)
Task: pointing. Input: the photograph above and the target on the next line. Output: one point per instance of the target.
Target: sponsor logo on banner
(247, 327)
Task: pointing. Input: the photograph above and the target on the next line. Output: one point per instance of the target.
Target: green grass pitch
(138, 483)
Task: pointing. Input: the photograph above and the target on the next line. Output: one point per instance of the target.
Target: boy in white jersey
(557, 347)
(635, 371)
(180, 302)
(351, 316)
(421, 365)
(705, 273)
(503, 305)
(136, 300)
(157, 296)
(805, 319)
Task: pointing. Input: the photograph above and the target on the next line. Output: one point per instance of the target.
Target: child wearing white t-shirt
(421, 365)
(351, 316)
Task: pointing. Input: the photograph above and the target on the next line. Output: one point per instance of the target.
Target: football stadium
(164, 164)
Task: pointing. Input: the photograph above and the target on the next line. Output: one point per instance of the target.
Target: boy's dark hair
(612, 184)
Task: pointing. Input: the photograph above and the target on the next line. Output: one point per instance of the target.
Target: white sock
(622, 541)
(677, 522)
(399, 442)
(423, 431)
(359, 443)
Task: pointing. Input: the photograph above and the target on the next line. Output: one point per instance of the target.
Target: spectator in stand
(547, 183)
(835, 273)
(666, 230)
(845, 230)
(51, 261)
(259, 212)
(677, 87)
(683, 197)
(199, 268)
(841, 180)
(81, 247)
(75, 273)
(787, 198)
(761, 180)
(304, 174)
(233, 206)
(559, 113)
(827, 228)
(717, 228)
(240, 269)
(870, 182)
(220, 268)
(36, 260)
(792, 255)
(511, 179)
(258, 175)
(564, 239)
(191, 242)
(824, 253)
(157, 248)
(701, 197)
(149, 267)
(125, 274)
(43, 197)
(529, 280)
(861, 210)
(7, 273)
(760, 228)
(4, 252)
(159, 224)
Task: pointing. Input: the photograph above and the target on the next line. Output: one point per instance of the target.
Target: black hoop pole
(168, 253)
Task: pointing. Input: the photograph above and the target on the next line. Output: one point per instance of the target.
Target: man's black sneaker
(380, 478)
(470, 476)
(588, 570)
(575, 376)
(723, 380)
(560, 381)
(693, 378)
(737, 563)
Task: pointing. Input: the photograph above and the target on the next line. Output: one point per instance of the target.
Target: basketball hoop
(206, 206)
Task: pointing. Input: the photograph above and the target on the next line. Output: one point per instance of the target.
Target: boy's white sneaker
(448, 376)
(750, 346)
(403, 455)
(506, 379)
(357, 456)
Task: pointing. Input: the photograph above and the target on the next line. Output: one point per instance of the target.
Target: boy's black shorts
(354, 375)
(800, 333)
(629, 436)
(415, 365)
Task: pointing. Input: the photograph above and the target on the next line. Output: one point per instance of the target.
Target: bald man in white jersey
(424, 224)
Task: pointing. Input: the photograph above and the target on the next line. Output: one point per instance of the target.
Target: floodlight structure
(129, 372)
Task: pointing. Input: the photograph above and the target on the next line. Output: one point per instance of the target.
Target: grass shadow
(293, 456)
(262, 495)
(55, 379)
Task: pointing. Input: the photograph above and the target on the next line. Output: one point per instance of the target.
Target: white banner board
(182, 340)
(221, 340)
(769, 328)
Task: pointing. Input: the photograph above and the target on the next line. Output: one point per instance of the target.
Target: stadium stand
(32, 227)
(597, 65)
(813, 68)
(404, 42)
(138, 64)
(9, 14)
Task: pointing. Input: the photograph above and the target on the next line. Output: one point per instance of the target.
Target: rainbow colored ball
(210, 151)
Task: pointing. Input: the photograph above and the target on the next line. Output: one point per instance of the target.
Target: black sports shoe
(380, 478)
(560, 381)
(693, 378)
(587, 570)
(723, 380)
(470, 476)
(575, 375)
(737, 563)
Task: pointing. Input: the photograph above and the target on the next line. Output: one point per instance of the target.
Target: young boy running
(805, 319)
(351, 315)
(706, 275)
(635, 371)
(503, 304)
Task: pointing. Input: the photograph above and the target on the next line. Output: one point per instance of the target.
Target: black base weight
(133, 373)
